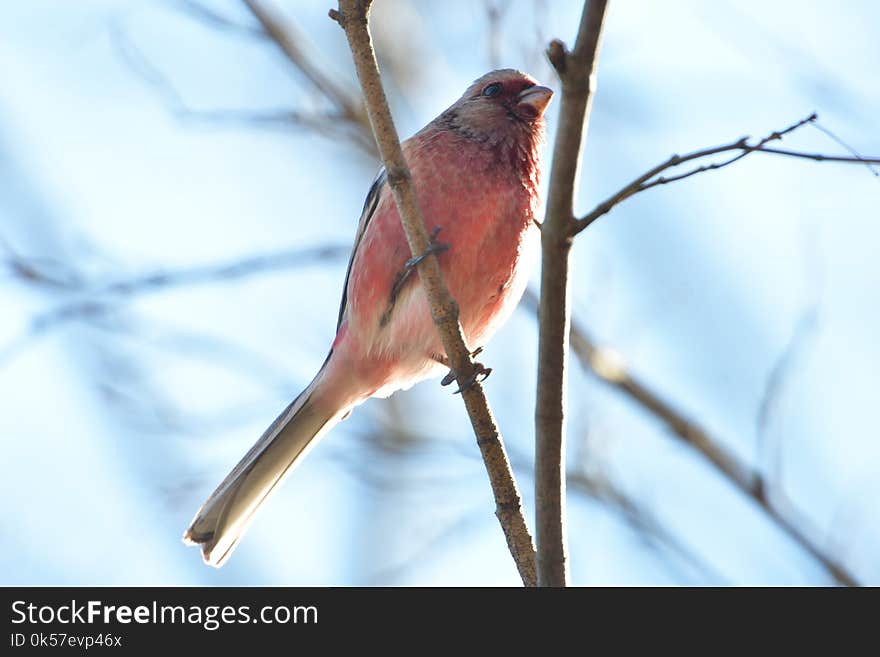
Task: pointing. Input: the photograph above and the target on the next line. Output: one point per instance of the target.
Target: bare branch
(781, 369)
(327, 123)
(576, 70)
(821, 157)
(102, 299)
(768, 451)
(288, 38)
(391, 441)
(652, 177)
(649, 179)
(44, 272)
(636, 516)
(352, 16)
(611, 369)
(874, 170)
(215, 19)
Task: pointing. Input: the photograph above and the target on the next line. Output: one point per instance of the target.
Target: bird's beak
(534, 100)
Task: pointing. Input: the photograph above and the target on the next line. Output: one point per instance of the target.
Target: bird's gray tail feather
(225, 516)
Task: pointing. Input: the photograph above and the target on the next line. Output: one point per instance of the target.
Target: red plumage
(476, 172)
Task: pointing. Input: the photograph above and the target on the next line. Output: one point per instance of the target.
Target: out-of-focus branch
(383, 448)
(95, 299)
(45, 273)
(344, 117)
(352, 16)
(781, 369)
(637, 517)
(831, 135)
(820, 157)
(288, 38)
(611, 369)
(576, 70)
(331, 122)
(215, 19)
(652, 177)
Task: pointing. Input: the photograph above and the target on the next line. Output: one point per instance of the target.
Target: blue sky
(115, 430)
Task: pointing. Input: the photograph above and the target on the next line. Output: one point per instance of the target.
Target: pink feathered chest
(484, 205)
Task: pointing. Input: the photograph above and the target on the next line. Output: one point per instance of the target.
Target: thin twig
(328, 122)
(352, 16)
(831, 135)
(781, 370)
(821, 157)
(768, 452)
(576, 70)
(215, 19)
(593, 484)
(741, 144)
(639, 519)
(390, 442)
(97, 300)
(652, 177)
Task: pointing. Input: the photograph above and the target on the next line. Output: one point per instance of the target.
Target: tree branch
(821, 157)
(609, 368)
(640, 519)
(576, 70)
(831, 135)
(652, 177)
(287, 37)
(352, 16)
(215, 19)
(327, 122)
(92, 300)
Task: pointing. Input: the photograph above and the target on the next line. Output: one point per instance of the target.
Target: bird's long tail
(225, 516)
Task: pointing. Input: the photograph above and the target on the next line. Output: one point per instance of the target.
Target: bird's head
(499, 103)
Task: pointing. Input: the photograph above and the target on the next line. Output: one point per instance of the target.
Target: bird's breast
(485, 213)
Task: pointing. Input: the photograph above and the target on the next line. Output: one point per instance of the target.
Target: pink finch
(476, 171)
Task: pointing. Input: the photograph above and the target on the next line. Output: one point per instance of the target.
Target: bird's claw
(481, 373)
(434, 248)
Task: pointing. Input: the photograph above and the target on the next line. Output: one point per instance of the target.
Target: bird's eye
(492, 90)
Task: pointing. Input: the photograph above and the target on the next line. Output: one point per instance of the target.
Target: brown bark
(353, 16)
(576, 70)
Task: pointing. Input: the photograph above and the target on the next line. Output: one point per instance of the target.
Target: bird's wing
(367, 213)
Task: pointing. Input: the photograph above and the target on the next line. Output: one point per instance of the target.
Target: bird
(476, 171)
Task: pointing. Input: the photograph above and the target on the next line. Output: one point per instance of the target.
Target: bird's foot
(480, 374)
(434, 248)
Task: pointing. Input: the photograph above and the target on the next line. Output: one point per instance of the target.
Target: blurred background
(180, 182)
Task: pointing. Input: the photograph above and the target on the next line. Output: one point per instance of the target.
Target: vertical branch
(353, 17)
(576, 70)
